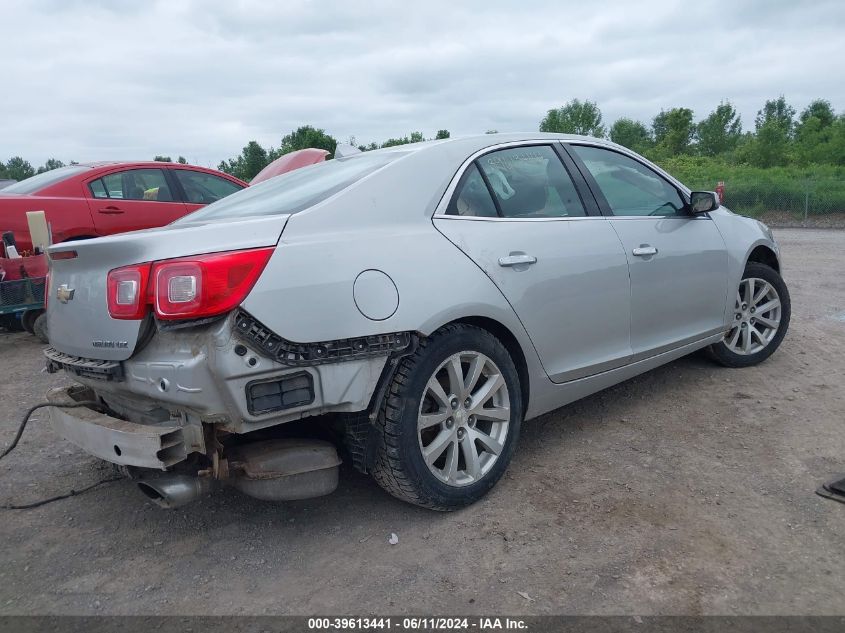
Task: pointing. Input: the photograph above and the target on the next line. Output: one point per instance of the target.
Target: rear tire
(28, 319)
(760, 319)
(39, 328)
(450, 420)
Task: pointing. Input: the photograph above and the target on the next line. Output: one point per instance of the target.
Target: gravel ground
(786, 220)
(688, 490)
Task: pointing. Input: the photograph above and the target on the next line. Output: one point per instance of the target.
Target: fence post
(806, 199)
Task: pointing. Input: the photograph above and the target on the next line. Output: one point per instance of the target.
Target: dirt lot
(688, 490)
(786, 220)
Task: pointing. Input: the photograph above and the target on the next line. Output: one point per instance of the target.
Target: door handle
(516, 260)
(110, 211)
(644, 251)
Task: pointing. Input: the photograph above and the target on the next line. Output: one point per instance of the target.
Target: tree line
(16, 168)
(816, 136)
(253, 158)
(781, 137)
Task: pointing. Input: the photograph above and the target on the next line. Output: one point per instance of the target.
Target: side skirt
(552, 396)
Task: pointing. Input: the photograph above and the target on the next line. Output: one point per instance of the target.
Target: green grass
(753, 190)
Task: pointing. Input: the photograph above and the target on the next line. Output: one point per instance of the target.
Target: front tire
(450, 421)
(760, 318)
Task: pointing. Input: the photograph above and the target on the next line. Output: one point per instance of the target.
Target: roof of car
(152, 164)
(480, 141)
(135, 163)
(505, 137)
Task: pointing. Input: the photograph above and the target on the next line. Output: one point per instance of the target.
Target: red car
(94, 199)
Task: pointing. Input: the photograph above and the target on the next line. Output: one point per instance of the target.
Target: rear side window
(630, 188)
(472, 196)
(98, 189)
(296, 190)
(47, 179)
(133, 184)
(518, 182)
(203, 188)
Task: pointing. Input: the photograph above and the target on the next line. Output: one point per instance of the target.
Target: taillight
(127, 292)
(186, 288)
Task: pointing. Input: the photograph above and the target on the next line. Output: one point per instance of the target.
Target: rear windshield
(296, 190)
(47, 179)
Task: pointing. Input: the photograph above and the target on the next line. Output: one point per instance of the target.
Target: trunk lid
(78, 317)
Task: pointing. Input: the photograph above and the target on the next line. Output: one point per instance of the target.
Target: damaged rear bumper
(274, 470)
(112, 439)
(216, 374)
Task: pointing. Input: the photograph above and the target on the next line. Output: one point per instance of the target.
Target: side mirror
(703, 201)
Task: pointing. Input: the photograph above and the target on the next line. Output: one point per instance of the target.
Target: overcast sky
(89, 80)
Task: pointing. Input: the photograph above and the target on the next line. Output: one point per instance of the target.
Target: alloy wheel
(756, 317)
(464, 418)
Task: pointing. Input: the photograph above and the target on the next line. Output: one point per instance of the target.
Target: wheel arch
(499, 330)
(506, 338)
(360, 427)
(763, 254)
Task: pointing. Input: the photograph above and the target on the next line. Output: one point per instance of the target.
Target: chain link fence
(801, 198)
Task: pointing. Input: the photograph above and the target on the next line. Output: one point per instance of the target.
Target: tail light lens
(178, 288)
(204, 286)
(186, 288)
(127, 292)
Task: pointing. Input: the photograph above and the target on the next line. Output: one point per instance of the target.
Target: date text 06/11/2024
(416, 624)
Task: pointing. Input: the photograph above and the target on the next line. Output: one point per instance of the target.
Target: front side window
(133, 184)
(630, 188)
(203, 188)
(518, 182)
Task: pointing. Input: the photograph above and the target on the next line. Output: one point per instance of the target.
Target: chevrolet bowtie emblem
(64, 294)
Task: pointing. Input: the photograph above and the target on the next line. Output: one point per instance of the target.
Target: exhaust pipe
(275, 470)
(173, 491)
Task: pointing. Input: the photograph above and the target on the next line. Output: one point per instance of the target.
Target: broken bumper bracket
(83, 367)
(112, 439)
(261, 338)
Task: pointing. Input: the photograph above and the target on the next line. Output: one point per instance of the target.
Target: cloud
(111, 80)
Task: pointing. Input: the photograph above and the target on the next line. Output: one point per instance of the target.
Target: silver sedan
(406, 309)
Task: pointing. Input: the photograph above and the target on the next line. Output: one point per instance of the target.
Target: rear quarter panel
(306, 292)
(68, 217)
